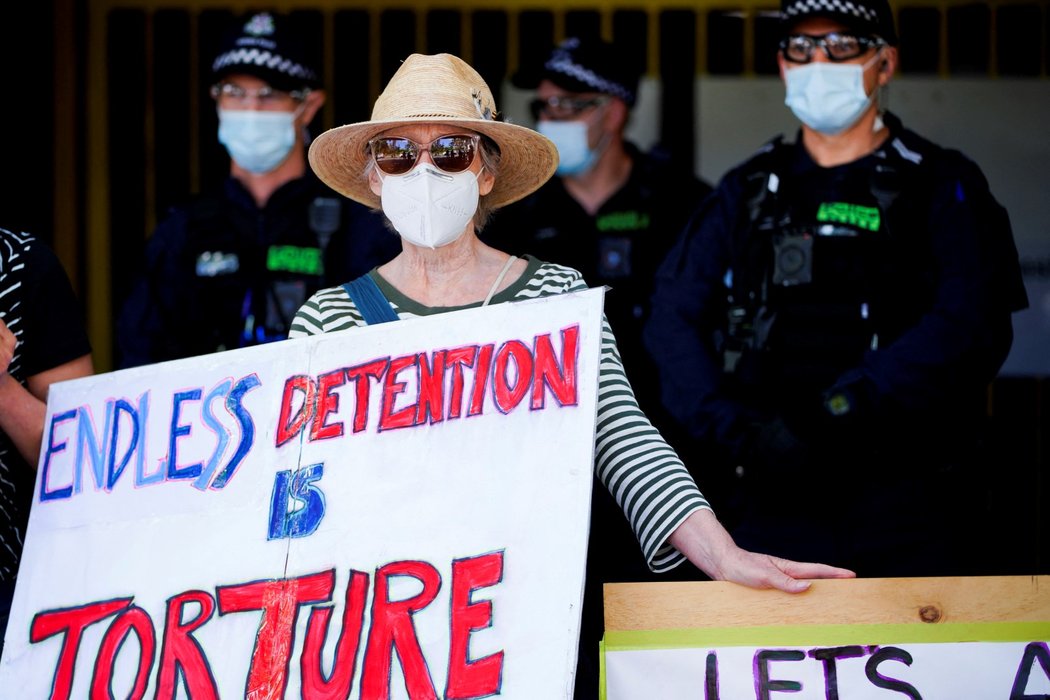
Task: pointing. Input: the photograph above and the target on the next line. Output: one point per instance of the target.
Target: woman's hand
(703, 540)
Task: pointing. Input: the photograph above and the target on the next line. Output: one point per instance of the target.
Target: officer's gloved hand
(849, 414)
(772, 451)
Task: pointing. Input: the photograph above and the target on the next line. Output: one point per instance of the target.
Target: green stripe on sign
(826, 635)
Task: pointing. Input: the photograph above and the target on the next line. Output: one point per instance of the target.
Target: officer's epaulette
(907, 146)
(206, 216)
(772, 157)
(759, 176)
(770, 148)
(204, 208)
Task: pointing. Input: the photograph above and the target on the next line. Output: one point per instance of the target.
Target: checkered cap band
(838, 7)
(261, 58)
(874, 16)
(270, 47)
(562, 61)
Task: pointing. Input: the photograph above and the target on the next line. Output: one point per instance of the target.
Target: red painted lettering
(181, 652)
(466, 678)
(457, 359)
(392, 628)
(360, 376)
(506, 394)
(71, 623)
(327, 402)
(560, 380)
(136, 620)
(280, 601)
(288, 426)
(338, 685)
(184, 668)
(402, 418)
(482, 369)
(430, 407)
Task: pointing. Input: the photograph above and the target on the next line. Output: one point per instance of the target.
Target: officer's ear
(616, 114)
(887, 64)
(313, 101)
(781, 64)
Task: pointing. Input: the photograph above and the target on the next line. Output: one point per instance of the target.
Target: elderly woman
(437, 162)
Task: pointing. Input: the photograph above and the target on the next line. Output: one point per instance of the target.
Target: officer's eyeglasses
(396, 155)
(562, 107)
(233, 95)
(837, 46)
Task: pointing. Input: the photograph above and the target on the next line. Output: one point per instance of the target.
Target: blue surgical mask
(575, 156)
(828, 97)
(257, 140)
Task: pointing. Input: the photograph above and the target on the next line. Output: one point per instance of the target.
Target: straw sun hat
(439, 89)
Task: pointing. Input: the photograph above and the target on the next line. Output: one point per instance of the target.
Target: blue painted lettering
(297, 505)
(46, 494)
(177, 431)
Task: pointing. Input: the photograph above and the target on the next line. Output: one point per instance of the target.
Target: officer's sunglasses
(266, 96)
(564, 107)
(837, 46)
(396, 155)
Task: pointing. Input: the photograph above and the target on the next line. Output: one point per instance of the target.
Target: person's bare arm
(703, 540)
(24, 407)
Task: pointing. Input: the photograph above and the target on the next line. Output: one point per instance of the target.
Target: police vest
(248, 282)
(830, 263)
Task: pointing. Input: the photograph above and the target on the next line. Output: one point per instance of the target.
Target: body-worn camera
(793, 259)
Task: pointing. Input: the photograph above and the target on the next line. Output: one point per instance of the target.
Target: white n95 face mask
(828, 97)
(258, 141)
(429, 207)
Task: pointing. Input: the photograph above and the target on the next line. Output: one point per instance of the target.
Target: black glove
(771, 449)
(850, 419)
(853, 396)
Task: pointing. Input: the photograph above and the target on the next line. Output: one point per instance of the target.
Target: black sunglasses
(396, 155)
(564, 107)
(837, 46)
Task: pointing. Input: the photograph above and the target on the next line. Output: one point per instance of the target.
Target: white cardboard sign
(924, 671)
(399, 510)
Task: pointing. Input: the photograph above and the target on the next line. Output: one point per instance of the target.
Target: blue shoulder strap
(369, 300)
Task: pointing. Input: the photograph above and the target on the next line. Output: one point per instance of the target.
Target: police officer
(613, 211)
(830, 319)
(230, 270)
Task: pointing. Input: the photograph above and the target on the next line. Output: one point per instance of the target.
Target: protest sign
(393, 511)
(861, 639)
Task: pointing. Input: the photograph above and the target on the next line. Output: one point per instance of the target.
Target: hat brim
(528, 159)
(275, 79)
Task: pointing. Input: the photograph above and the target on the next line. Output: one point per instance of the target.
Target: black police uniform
(832, 332)
(222, 273)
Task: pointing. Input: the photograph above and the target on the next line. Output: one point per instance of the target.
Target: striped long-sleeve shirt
(643, 472)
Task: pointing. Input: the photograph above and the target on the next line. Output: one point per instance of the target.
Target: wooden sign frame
(832, 613)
